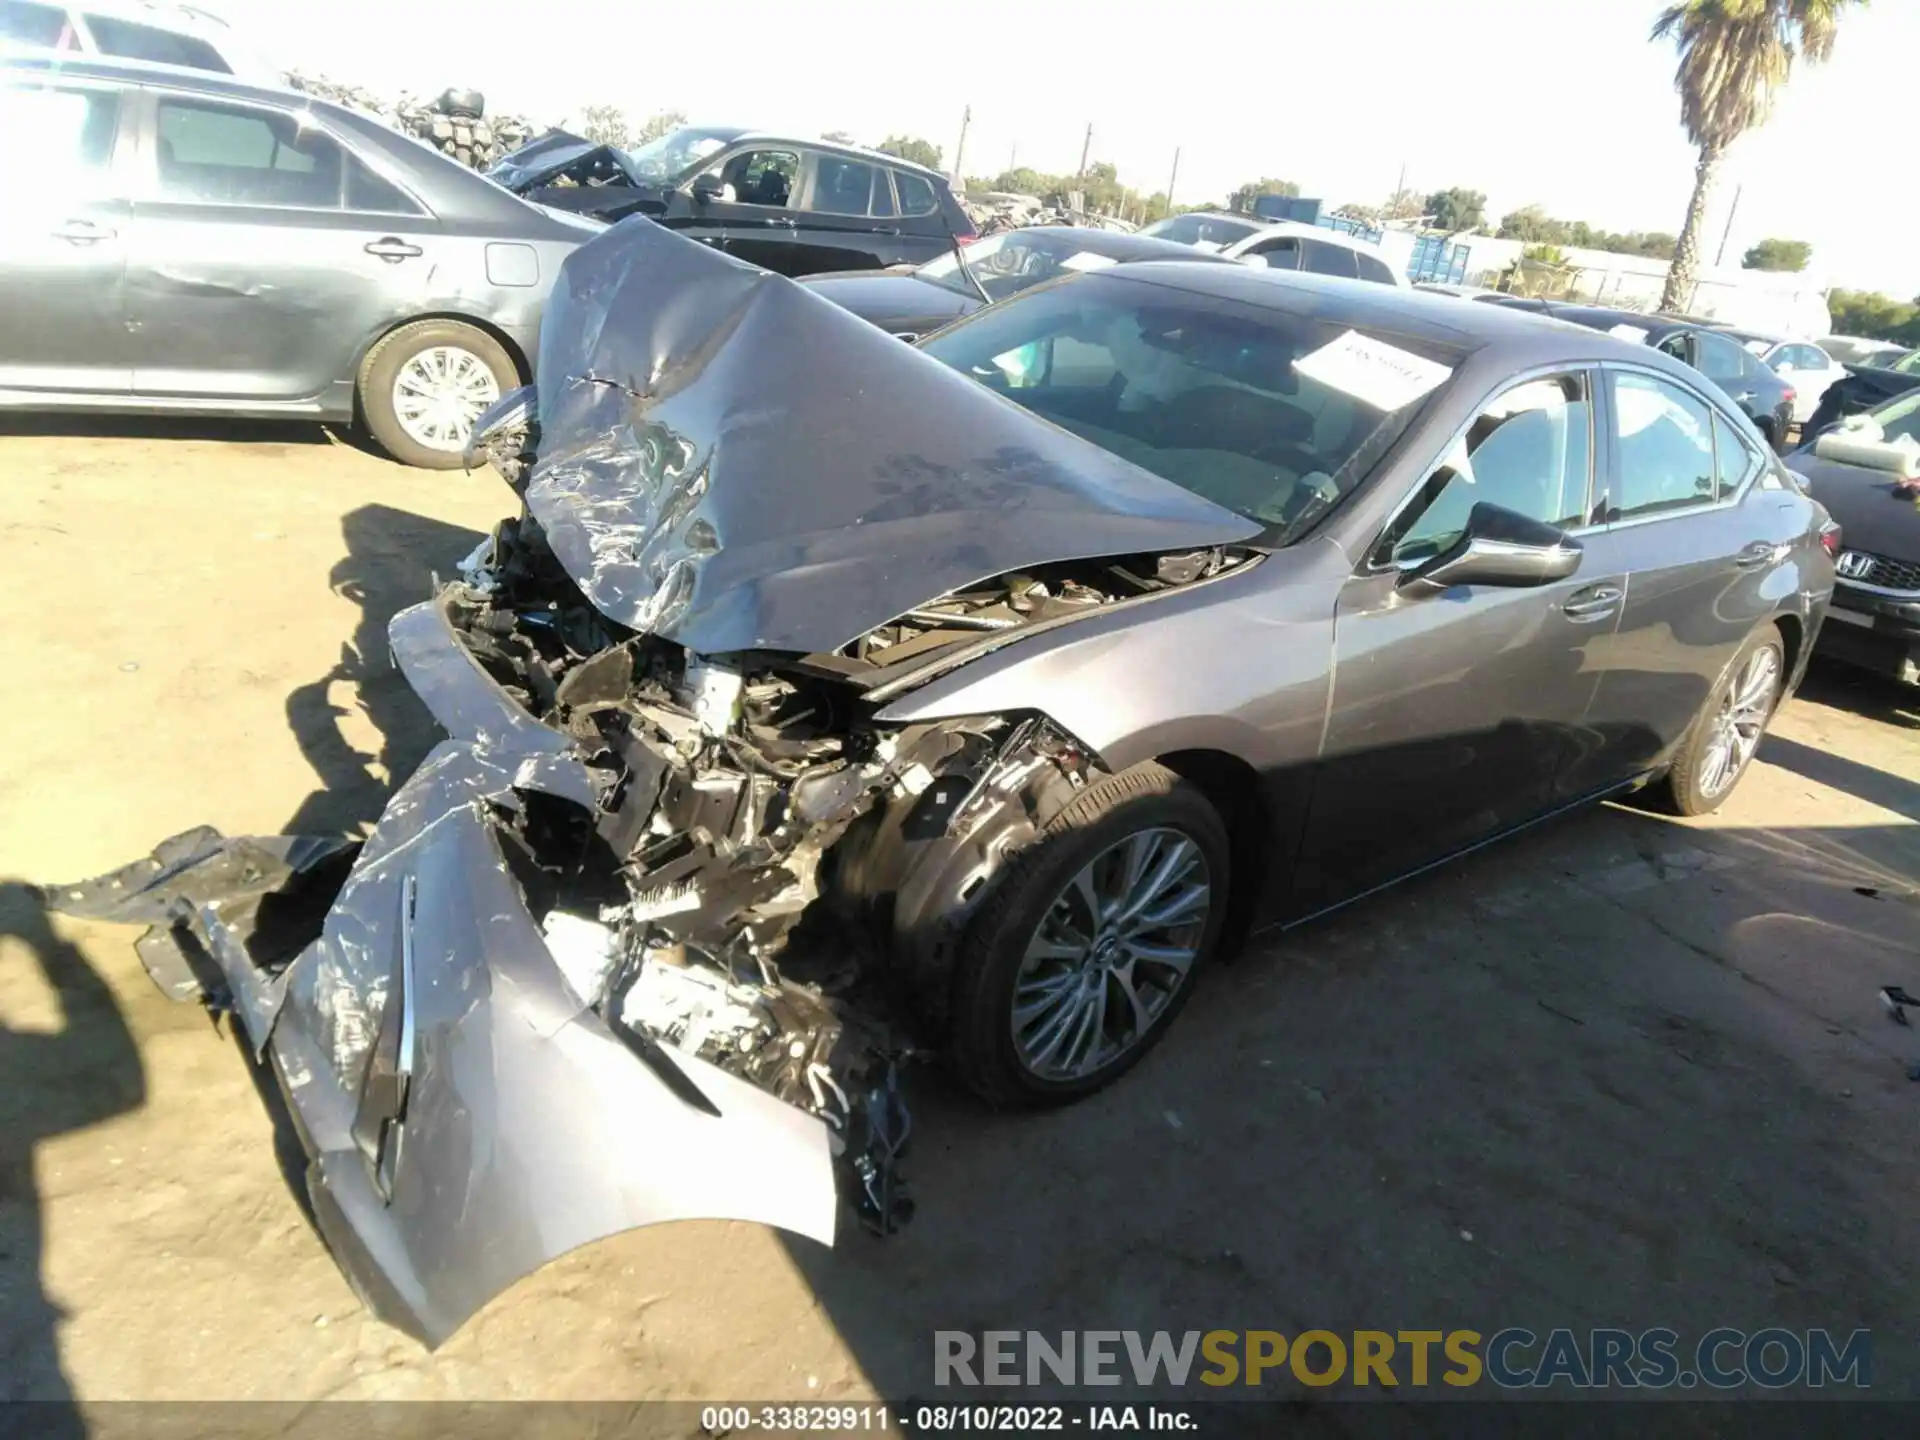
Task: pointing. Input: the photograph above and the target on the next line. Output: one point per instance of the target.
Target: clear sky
(1560, 102)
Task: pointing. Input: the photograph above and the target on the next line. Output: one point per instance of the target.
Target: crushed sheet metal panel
(732, 462)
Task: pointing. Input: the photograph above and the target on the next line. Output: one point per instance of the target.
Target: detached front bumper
(467, 1117)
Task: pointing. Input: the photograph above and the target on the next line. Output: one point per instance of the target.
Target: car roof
(1602, 316)
(1438, 319)
(1313, 232)
(1114, 244)
(830, 147)
(64, 65)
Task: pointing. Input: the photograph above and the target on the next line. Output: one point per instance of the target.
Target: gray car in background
(175, 242)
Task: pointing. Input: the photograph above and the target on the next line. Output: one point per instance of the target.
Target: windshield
(1011, 261)
(676, 152)
(1211, 232)
(1273, 413)
(1895, 421)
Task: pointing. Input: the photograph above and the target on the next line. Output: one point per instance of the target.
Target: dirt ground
(1625, 1071)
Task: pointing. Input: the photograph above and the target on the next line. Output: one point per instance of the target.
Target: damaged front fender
(468, 1117)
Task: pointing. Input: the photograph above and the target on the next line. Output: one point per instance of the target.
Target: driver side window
(1530, 450)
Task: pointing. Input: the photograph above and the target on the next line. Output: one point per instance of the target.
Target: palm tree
(1734, 57)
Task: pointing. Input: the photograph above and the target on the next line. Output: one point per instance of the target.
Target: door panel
(1699, 586)
(1458, 715)
(1703, 566)
(1453, 718)
(63, 243)
(250, 280)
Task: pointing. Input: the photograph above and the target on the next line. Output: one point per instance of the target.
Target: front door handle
(1596, 602)
(392, 249)
(1760, 552)
(82, 232)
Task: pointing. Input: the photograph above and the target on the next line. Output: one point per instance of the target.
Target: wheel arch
(521, 364)
(1235, 789)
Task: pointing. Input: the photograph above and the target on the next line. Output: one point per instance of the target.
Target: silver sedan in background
(179, 242)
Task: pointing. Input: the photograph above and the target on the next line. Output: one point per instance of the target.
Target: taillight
(1790, 396)
(1830, 539)
(968, 238)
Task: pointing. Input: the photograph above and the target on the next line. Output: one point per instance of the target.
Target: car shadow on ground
(189, 427)
(84, 1069)
(1861, 692)
(391, 558)
(1631, 1073)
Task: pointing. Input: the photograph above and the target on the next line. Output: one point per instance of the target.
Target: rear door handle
(82, 232)
(1596, 602)
(392, 249)
(1760, 552)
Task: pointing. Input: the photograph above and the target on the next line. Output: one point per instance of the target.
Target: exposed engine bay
(733, 895)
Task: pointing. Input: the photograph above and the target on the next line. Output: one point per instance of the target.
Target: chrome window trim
(1588, 368)
(299, 113)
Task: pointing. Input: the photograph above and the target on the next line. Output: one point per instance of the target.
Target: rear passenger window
(841, 186)
(43, 25)
(916, 194)
(1328, 260)
(1720, 359)
(882, 192)
(370, 191)
(1372, 269)
(1733, 459)
(232, 155)
(72, 134)
(131, 41)
(1529, 451)
(1665, 450)
(1276, 254)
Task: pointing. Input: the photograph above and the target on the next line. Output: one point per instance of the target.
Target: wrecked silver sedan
(830, 699)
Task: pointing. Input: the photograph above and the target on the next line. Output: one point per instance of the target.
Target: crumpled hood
(540, 161)
(1870, 515)
(734, 463)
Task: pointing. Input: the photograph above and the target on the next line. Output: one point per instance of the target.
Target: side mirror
(707, 189)
(1499, 547)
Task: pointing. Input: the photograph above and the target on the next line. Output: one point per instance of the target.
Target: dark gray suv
(184, 242)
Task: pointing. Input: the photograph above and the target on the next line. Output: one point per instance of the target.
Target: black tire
(982, 1047)
(1684, 791)
(382, 366)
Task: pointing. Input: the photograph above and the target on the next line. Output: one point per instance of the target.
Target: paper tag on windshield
(1636, 333)
(1372, 371)
(1086, 260)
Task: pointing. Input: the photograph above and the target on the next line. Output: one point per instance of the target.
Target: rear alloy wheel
(1727, 734)
(1078, 961)
(423, 386)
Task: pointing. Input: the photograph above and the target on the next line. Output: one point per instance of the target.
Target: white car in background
(179, 35)
(1807, 367)
(1853, 350)
(1279, 245)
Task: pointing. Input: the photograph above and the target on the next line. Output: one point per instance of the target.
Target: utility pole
(1173, 177)
(960, 150)
(1013, 155)
(1727, 234)
(1400, 188)
(1086, 149)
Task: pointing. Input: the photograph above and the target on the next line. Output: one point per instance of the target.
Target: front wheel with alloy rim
(1086, 949)
(422, 387)
(1727, 733)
